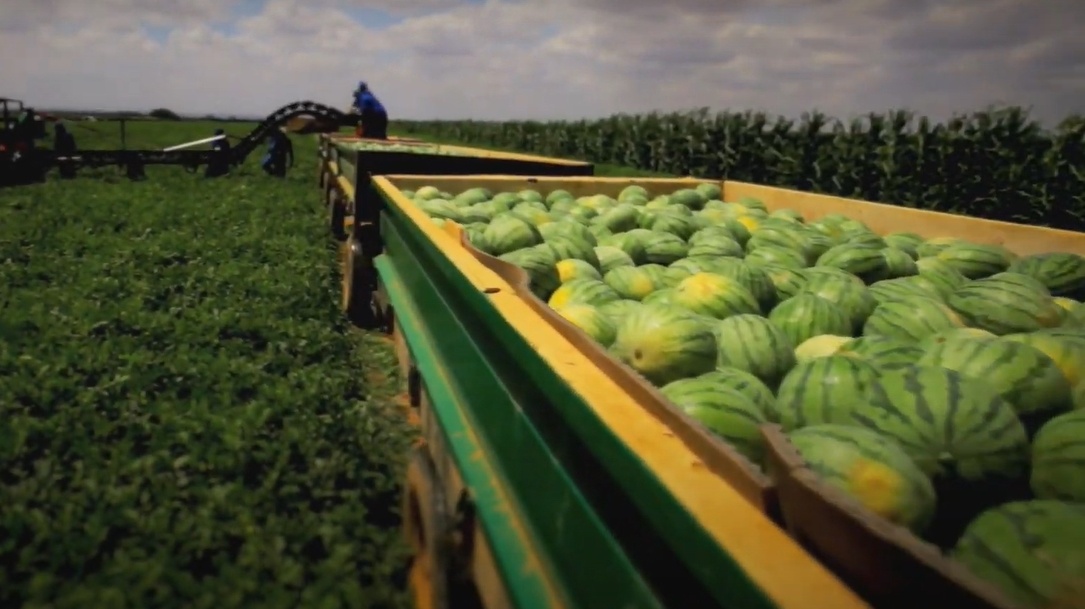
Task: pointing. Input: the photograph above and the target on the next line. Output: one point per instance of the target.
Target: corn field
(997, 164)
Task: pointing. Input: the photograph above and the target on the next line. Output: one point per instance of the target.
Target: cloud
(548, 58)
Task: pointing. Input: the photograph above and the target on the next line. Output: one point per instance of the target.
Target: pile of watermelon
(939, 382)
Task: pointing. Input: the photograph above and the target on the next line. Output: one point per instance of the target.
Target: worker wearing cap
(374, 119)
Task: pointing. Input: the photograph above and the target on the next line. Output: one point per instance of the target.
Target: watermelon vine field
(939, 382)
(995, 164)
(185, 418)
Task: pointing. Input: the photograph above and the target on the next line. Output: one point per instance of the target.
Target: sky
(547, 59)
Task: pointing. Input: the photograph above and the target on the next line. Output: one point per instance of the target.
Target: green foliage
(185, 419)
(996, 164)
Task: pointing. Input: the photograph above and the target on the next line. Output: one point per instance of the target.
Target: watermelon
(807, 315)
(1067, 353)
(931, 247)
(746, 384)
(905, 242)
(773, 255)
(940, 274)
(888, 290)
(1062, 273)
(631, 282)
(954, 334)
(787, 282)
(872, 469)
(631, 243)
(913, 319)
(664, 248)
(611, 258)
(566, 246)
(975, 261)
(898, 263)
(583, 291)
(1058, 458)
(567, 229)
(1030, 550)
(714, 296)
(954, 427)
(865, 263)
(509, 232)
(823, 390)
(883, 352)
(666, 343)
(726, 412)
(557, 195)
(716, 246)
(592, 321)
(1026, 377)
(539, 263)
(755, 345)
(756, 280)
(854, 299)
(1006, 303)
(616, 310)
(634, 191)
(571, 268)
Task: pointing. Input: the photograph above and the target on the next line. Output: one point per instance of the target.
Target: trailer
(346, 167)
(552, 475)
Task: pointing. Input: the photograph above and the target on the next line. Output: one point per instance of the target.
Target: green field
(187, 420)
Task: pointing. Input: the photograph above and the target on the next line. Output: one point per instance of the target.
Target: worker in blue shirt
(374, 119)
(219, 164)
(280, 153)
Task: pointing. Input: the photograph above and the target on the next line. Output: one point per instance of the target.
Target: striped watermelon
(583, 291)
(632, 243)
(1062, 273)
(631, 282)
(756, 280)
(746, 384)
(681, 226)
(807, 315)
(1026, 377)
(611, 258)
(888, 290)
(818, 273)
(753, 344)
(883, 352)
(664, 248)
(666, 343)
(663, 296)
(823, 390)
(1066, 351)
(866, 263)
(787, 282)
(872, 469)
(571, 268)
(975, 261)
(658, 273)
(1006, 303)
(714, 296)
(904, 241)
(540, 265)
(955, 334)
(592, 321)
(898, 263)
(569, 229)
(1058, 458)
(712, 233)
(940, 274)
(855, 300)
(566, 246)
(509, 232)
(774, 255)
(716, 246)
(619, 218)
(726, 412)
(933, 246)
(616, 310)
(953, 427)
(1030, 550)
(913, 319)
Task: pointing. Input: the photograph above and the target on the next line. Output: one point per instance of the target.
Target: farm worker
(279, 149)
(219, 165)
(374, 121)
(64, 144)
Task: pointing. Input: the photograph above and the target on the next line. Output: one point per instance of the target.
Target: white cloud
(548, 58)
